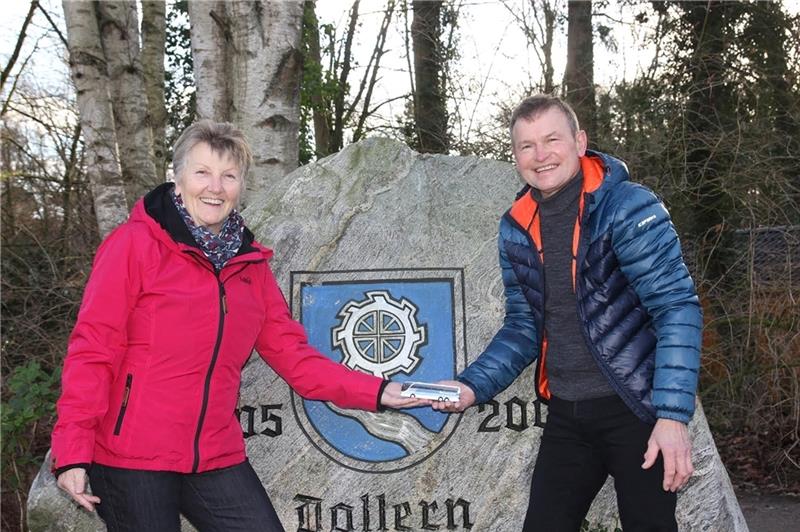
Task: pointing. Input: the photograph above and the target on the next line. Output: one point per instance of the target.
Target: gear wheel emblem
(379, 334)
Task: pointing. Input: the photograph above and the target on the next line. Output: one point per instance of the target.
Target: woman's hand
(466, 398)
(73, 481)
(391, 398)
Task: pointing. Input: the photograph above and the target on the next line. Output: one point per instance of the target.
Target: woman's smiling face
(210, 185)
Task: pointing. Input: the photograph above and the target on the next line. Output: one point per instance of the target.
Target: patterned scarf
(218, 248)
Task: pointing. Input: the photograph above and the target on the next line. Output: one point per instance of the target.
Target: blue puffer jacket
(641, 315)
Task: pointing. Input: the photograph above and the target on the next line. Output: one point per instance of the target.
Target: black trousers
(584, 442)
(227, 499)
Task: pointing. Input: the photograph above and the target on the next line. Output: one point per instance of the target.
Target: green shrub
(31, 394)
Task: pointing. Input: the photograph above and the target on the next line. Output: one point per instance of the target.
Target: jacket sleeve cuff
(57, 472)
(379, 407)
(479, 398)
(675, 416)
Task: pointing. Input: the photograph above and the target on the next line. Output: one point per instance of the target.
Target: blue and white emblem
(400, 325)
(379, 335)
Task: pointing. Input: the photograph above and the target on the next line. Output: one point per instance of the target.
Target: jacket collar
(613, 171)
(601, 172)
(158, 206)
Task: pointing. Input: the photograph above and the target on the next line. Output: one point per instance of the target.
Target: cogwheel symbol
(379, 334)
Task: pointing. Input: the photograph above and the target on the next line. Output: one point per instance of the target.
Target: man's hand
(671, 438)
(466, 398)
(391, 398)
(73, 481)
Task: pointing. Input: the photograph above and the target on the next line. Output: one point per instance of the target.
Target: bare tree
(88, 69)
(9, 222)
(49, 232)
(337, 135)
(370, 77)
(154, 32)
(248, 66)
(20, 39)
(579, 75)
(314, 82)
(539, 25)
(327, 88)
(430, 108)
(119, 32)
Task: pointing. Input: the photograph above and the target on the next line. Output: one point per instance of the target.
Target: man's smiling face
(546, 150)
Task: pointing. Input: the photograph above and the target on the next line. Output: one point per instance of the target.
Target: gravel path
(770, 513)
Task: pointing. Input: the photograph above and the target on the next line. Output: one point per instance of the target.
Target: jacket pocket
(124, 406)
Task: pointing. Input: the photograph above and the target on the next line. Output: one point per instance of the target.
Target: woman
(178, 297)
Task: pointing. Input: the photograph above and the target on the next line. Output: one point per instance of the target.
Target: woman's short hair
(222, 138)
(533, 106)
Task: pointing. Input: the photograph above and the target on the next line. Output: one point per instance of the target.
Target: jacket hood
(159, 213)
(615, 172)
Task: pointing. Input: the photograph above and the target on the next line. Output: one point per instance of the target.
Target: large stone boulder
(389, 259)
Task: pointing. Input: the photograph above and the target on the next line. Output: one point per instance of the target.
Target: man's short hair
(222, 137)
(533, 106)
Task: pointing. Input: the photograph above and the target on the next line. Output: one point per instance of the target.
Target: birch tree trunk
(268, 69)
(88, 69)
(255, 80)
(154, 34)
(211, 57)
(119, 32)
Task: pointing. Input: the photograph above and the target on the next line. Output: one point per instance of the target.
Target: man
(598, 294)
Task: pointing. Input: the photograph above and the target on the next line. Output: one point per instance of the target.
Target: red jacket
(152, 373)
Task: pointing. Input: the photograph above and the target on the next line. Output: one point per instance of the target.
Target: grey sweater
(573, 373)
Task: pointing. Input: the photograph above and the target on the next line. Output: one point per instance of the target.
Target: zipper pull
(224, 298)
(128, 381)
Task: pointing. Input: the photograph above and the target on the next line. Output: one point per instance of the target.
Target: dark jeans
(228, 499)
(583, 442)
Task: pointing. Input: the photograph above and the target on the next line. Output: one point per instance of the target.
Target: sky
(42, 45)
(493, 50)
(495, 63)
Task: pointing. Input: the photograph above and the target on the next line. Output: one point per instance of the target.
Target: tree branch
(21, 39)
(338, 106)
(376, 55)
(53, 25)
(16, 80)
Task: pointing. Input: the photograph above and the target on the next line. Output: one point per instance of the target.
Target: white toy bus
(434, 392)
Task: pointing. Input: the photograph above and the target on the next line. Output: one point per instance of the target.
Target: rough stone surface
(380, 213)
(50, 510)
